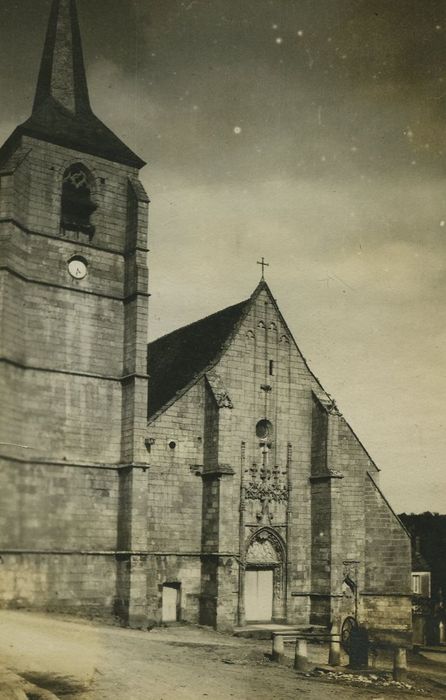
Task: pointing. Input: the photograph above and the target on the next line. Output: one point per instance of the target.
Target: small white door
(259, 595)
(170, 603)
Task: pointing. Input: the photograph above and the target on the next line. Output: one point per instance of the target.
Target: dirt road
(83, 661)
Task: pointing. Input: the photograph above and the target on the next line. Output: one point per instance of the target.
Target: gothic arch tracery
(77, 205)
(265, 547)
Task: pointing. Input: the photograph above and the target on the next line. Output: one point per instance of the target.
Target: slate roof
(82, 132)
(419, 563)
(61, 112)
(178, 358)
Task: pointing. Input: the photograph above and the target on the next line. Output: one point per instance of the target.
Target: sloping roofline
(243, 309)
(247, 303)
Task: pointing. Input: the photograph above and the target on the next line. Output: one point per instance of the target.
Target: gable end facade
(277, 458)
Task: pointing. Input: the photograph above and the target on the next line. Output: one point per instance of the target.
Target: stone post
(278, 648)
(334, 656)
(301, 655)
(400, 665)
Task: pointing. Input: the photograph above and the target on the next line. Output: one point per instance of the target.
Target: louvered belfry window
(77, 203)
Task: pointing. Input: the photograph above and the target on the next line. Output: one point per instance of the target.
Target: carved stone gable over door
(265, 552)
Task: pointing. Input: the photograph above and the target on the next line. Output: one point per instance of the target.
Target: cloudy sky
(311, 132)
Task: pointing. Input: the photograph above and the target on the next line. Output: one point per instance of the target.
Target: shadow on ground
(59, 685)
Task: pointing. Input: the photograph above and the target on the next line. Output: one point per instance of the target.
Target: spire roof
(61, 112)
(62, 71)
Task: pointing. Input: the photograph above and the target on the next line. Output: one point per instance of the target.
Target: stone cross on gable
(263, 264)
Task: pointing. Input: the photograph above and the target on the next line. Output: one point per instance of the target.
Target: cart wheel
(348, 625)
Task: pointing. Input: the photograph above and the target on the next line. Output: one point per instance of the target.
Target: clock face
(77, 269)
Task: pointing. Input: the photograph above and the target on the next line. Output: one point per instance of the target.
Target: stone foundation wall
(388, 618)
(74, 583)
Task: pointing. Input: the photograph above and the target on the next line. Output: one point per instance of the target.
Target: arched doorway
(264, 577)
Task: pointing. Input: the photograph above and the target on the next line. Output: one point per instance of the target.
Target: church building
(207, 478)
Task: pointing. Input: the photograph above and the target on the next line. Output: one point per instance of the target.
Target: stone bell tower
(73, 358)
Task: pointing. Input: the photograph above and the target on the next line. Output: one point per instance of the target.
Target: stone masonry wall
(65, 347)
(63, 417)
(325, 535)
(266, 377)
(58, 508)
(388, 546)
(73, 583)
(175, 494)
(183, 570)
(57, 323)
(175, 490)
(387, 571)
(243, 369)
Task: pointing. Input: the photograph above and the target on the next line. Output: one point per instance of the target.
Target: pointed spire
(62, 113)
(62, 70)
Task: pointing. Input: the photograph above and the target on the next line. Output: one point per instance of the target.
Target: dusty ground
(85, 661)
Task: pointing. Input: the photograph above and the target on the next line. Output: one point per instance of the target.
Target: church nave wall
(174, 482)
